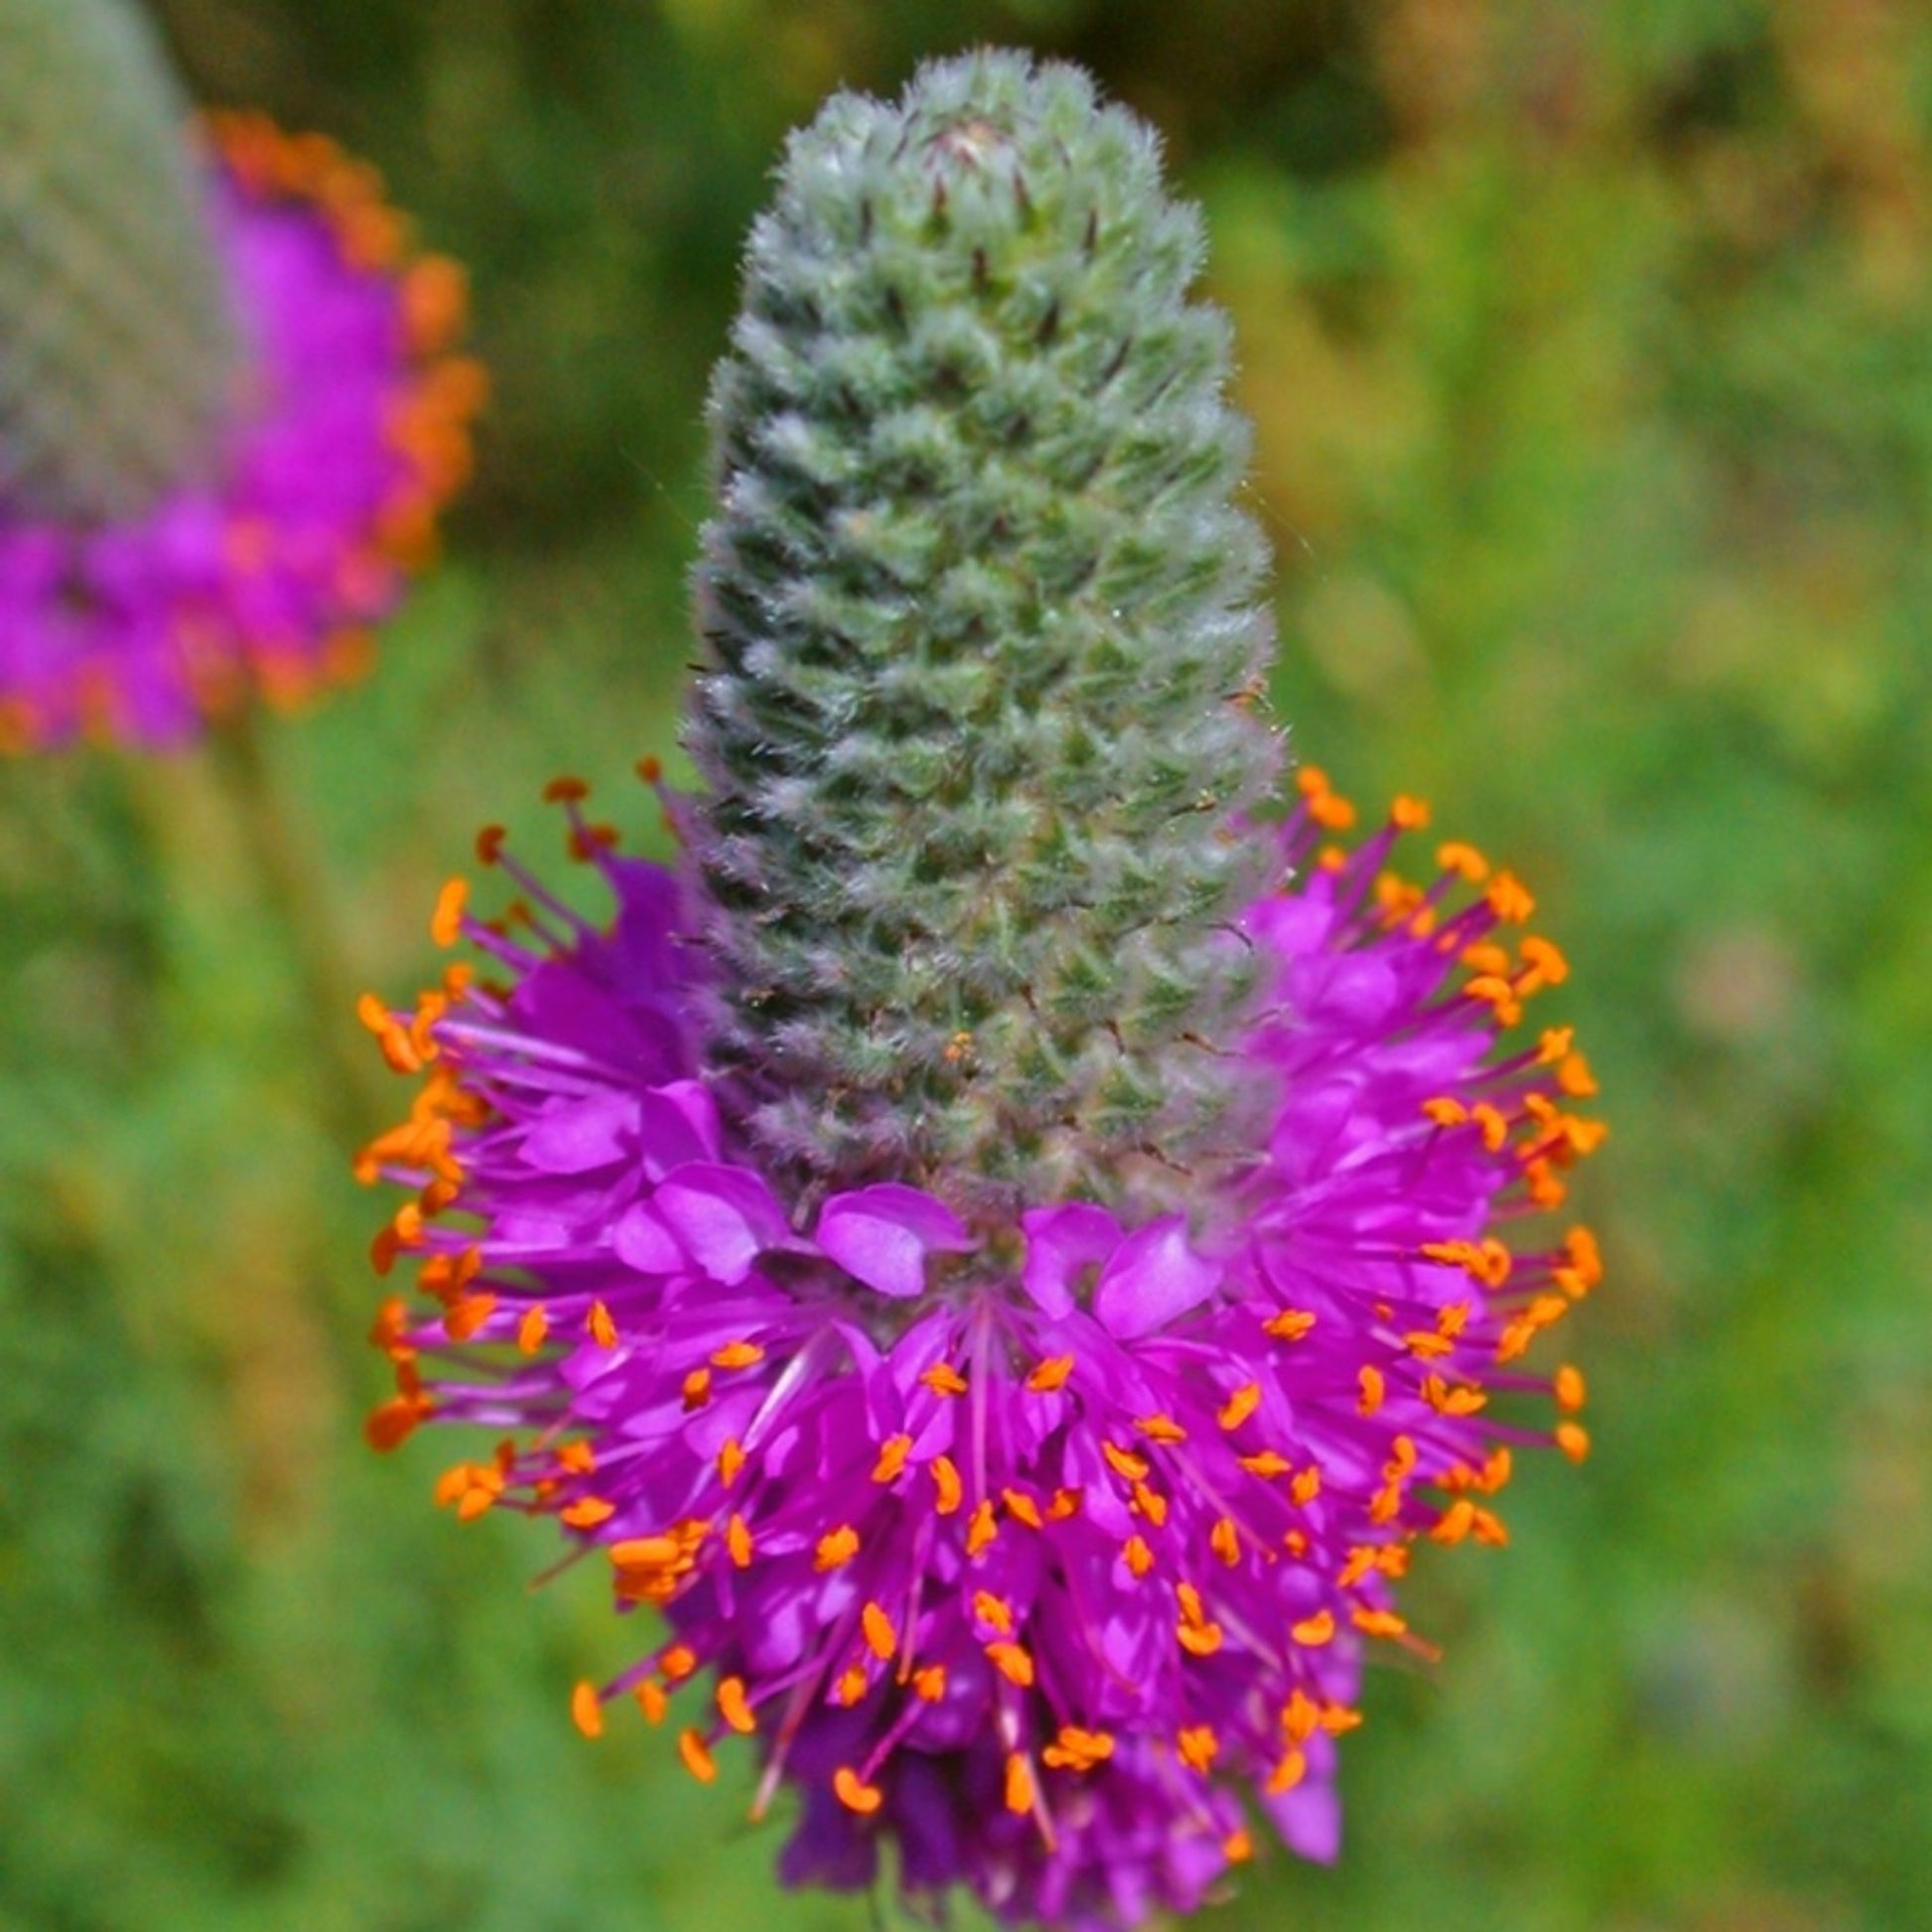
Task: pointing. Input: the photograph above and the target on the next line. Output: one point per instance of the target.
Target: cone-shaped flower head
(119, 350)
(982, 618)
(227, 413)
(999, 1249)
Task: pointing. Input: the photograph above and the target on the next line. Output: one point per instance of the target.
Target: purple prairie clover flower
(1052, 1557)
(263, 571)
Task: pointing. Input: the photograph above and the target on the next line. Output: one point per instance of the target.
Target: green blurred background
(1589, 351)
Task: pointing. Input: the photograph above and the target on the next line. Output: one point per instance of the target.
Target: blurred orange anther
(586, 1710)
(445, 923)
(696, 1753)
(735, 1708)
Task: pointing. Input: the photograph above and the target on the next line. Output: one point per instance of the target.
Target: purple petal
(679, 1126)
(1060, 1241)
(580, 1134)
(881, 1235)
(642, 1241)
(1154, 1278)
(723, 1219)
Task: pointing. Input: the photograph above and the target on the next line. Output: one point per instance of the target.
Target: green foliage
(119, 354)
(983, 637)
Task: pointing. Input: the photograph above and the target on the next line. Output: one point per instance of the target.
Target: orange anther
(1509, 900)
(586, 1513)
(893, 1453)
(731, 1459)
(1151, 1504)
(981, 1529)
(531, 1330)
(738, 1541)
(1307, 1485)
(1568, 1389)
(445, 923)
(392, 1425)
(565, 791)
(1075, 1749)
(1378, 1623)
(736, 1354)
(1020, 1784)
(1198, 1748)
(577, 1459)
(1574, 1439)
(1408, 813)
(1161, 1429)
(853, 1793)
(1373, 1387)
(735, 1708)
(836, 1547)
(1239, 1405)
(651, 1701)
(929, 1683)
(697, 1757)
(1011, 1662)
(1453, 1400)
(1051, 1375)
(1316, 1631)
(1542, 957)
(880, 1638)
(1238, 1846)
(650, 768)
(994, 1612)
(490, 844)
(943, 1379)
(945, 1480)
(1266, 1463)
(1463, 859)
(1225, 1540)
(602, 1329)
(1125, 1463)
(1291, 1324)
(696, 1388)
(677, 1663)
(1021, 1508)
(1286, 1775)
(468, 1314)
(586, 1710)
(1138, 1557)
(1574, 1077)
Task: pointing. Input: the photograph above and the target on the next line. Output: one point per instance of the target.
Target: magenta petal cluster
(351, 433)
(1058, 1567)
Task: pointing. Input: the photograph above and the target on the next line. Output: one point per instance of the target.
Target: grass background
(1591, 355)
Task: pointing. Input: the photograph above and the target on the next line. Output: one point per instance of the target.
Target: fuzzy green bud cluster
(118, 353)
(984, 639)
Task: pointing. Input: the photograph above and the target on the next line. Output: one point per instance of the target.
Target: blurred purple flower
(1043, 1565)
(352, 432)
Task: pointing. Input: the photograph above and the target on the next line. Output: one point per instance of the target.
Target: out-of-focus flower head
(1004, 1253)
(230, 406)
